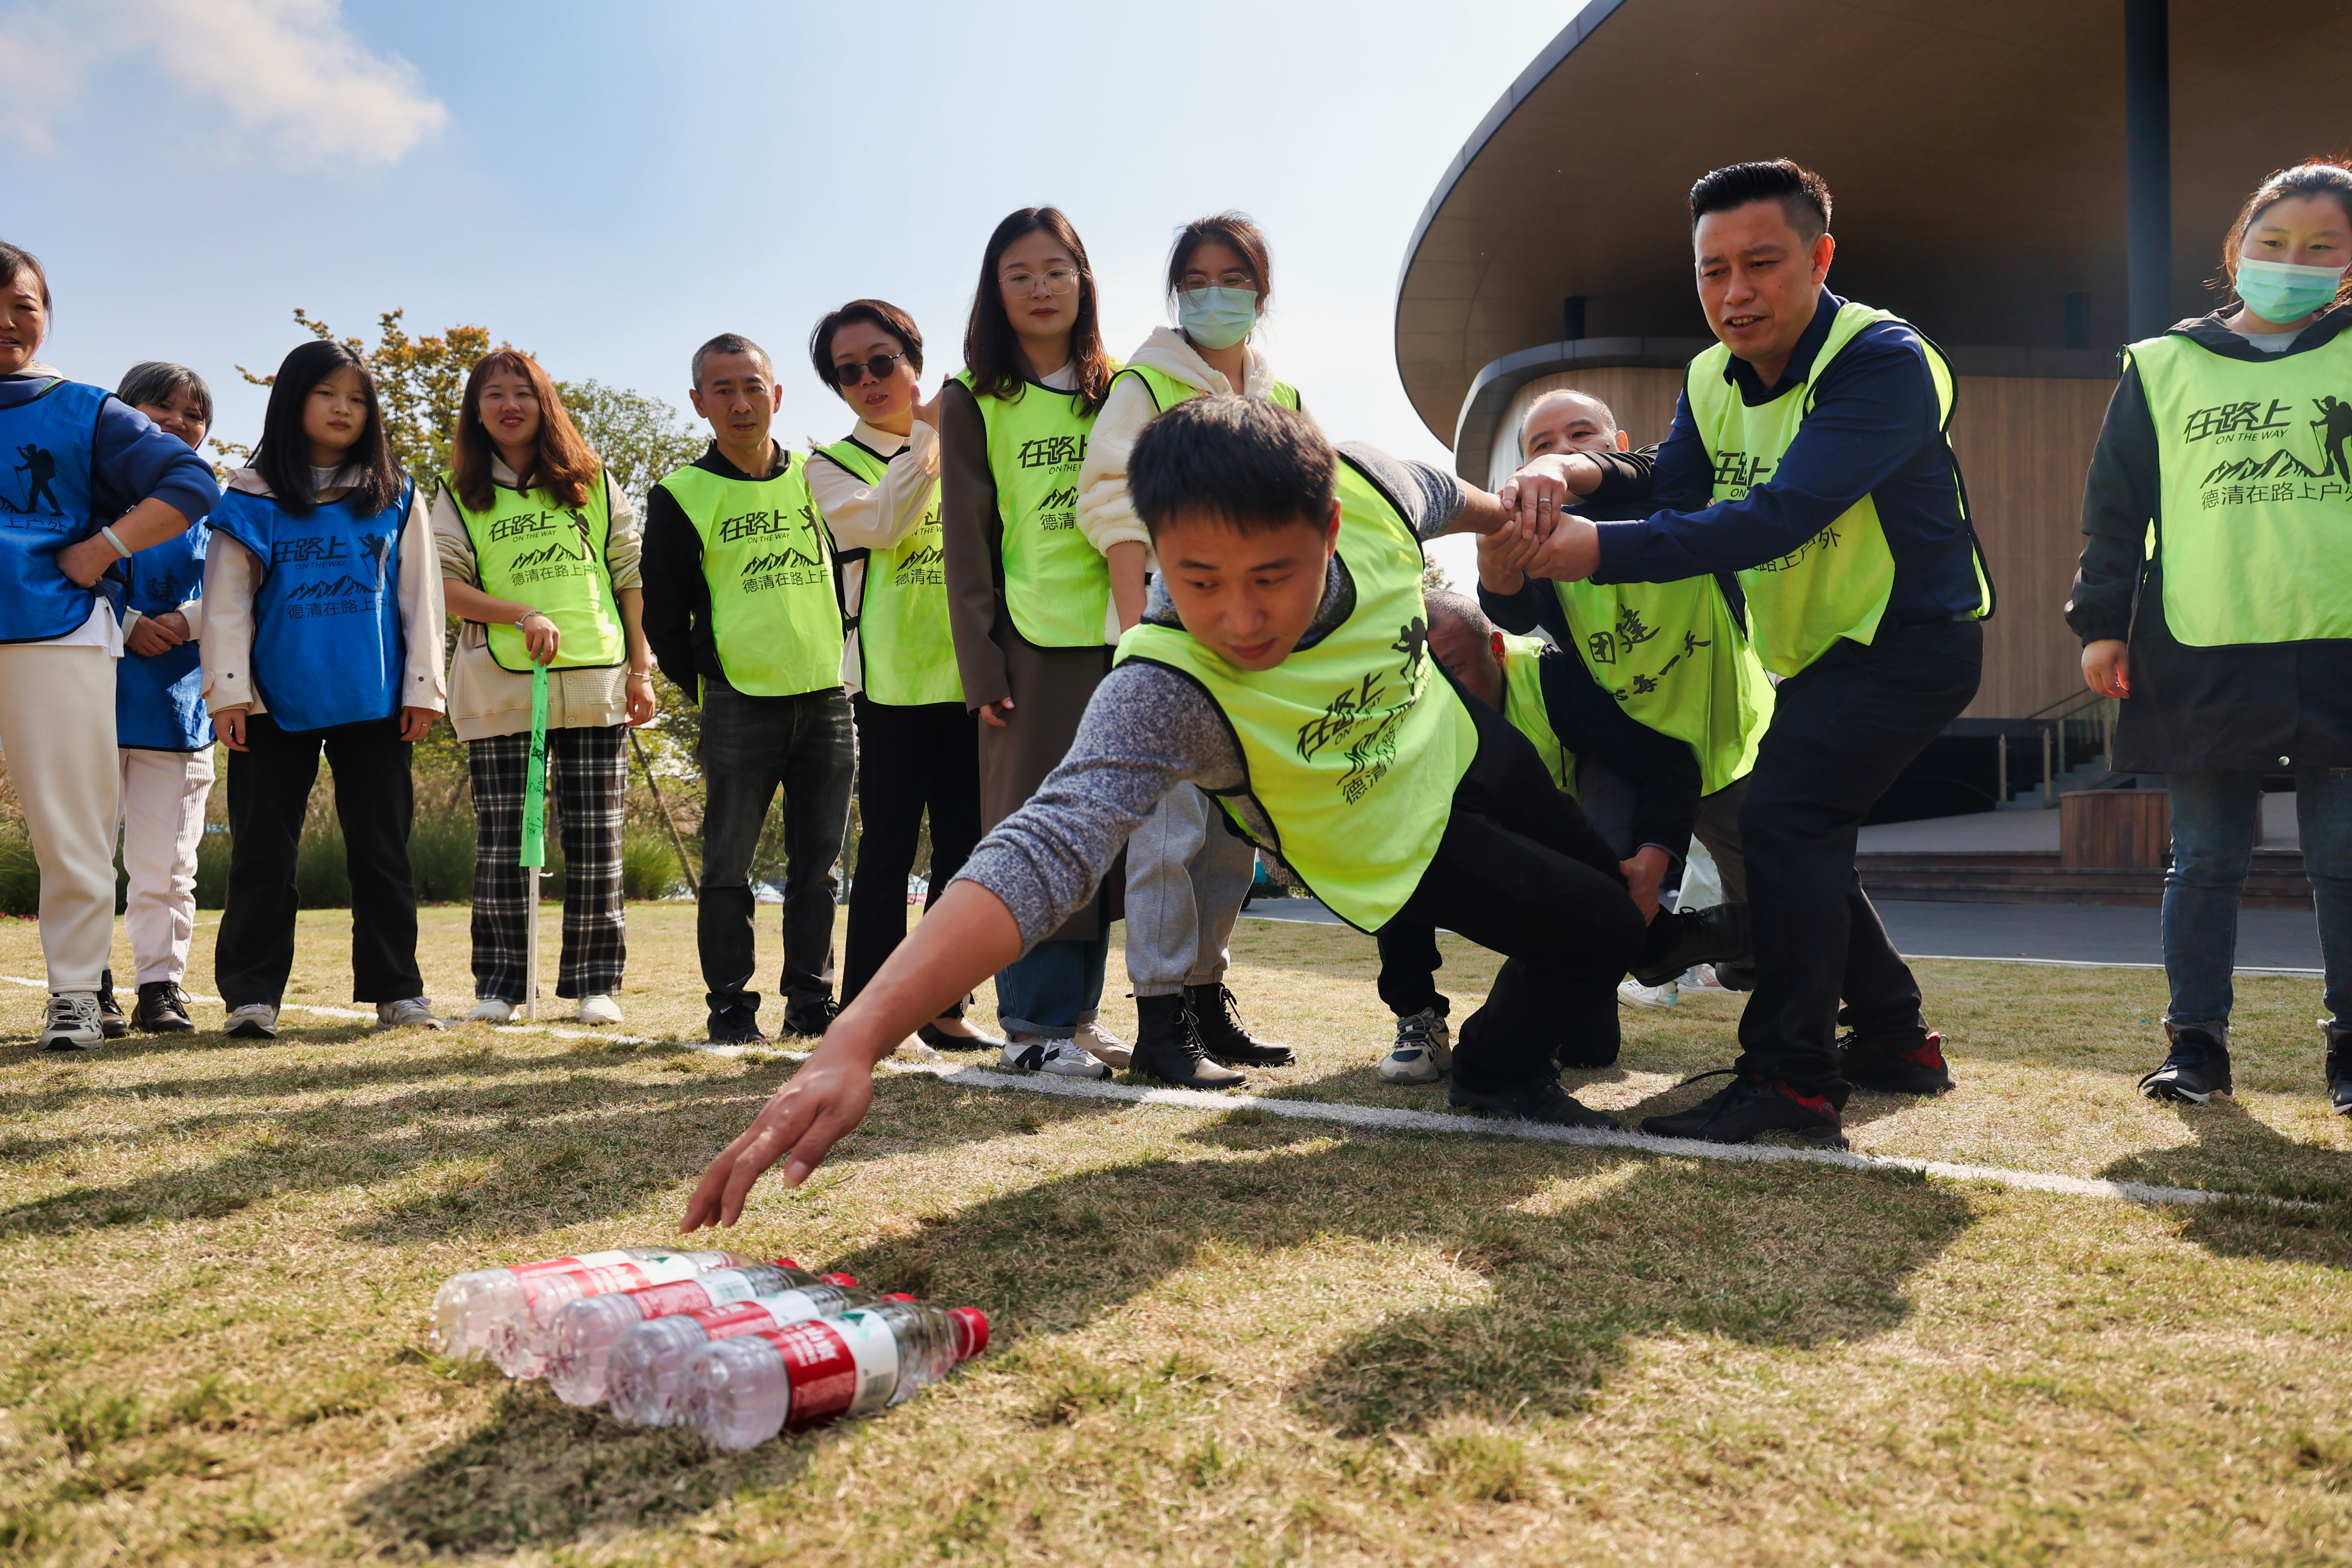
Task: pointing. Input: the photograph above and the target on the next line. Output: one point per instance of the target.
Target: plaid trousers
(587, 793)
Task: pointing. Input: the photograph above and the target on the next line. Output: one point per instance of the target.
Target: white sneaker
(1423, 1052)
(1062, 1059)
(1703, 979)
(71, 1022)
(598, 1010)
(1633, 993)
(412, 1012)
(491, 1010)
(1102, 1045)
(254, 1021)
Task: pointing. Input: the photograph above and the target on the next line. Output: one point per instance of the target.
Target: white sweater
(1106, 514)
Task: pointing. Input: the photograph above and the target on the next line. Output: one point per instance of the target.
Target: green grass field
(1222, 1336)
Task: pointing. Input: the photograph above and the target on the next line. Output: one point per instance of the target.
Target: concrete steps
(2029, 876)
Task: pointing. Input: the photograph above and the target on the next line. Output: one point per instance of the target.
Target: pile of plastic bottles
(741, 1350)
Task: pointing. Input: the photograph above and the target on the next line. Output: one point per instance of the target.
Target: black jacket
(2268, 707)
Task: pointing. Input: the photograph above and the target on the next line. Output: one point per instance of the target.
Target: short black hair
(1257, 465)
(1804, 194)
(879, 313)
(731, 343)
(1439, 602)
(153, 380)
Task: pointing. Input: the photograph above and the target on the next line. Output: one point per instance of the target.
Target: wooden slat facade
(2024, 445)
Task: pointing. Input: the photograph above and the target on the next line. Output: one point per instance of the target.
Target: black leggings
(908, 758)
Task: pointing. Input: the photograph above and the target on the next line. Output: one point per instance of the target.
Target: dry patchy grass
(1223, 1336)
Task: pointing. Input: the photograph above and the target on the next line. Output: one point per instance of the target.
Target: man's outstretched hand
(822, 1104)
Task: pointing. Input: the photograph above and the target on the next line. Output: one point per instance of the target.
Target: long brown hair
(564, 467)
(2328, 177)
(991, 350)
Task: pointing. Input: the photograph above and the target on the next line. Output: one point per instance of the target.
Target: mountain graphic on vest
(1056, 500)
(574, 548)
(2279, 464)
(344, 587)
(930, 558)
(781, 559)
(39, 467)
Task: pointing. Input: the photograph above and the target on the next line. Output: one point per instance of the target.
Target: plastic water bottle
(518, 1341)
(581, 1337)
(650, 1359)
(470, 1305)
(744, 1391)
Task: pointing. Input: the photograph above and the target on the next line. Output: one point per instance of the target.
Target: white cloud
(286, 78)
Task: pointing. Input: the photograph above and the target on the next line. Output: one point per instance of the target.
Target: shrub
(649, 867)
(20, 876)
(320, 880)
(212, 868)
(441, 857)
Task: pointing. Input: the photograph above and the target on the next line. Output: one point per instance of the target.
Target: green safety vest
(1167, 392)
(1353, 746)
(1674, 657)
(906, 654)
(528, 549)
(773, 613)
(1523, 705)
(1057, 586)
(2254, 503)
(1836, 583)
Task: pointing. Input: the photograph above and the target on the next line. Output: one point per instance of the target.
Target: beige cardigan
(486, 699)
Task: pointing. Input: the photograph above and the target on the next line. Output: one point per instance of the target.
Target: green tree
(419, 384)
(640, 438)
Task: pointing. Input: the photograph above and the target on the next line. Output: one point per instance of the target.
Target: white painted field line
(2087, 964)
(1394, 1119)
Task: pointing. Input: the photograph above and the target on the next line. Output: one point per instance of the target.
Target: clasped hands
(1538, 537)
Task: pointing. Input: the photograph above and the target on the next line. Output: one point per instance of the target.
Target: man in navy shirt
(1809, 456)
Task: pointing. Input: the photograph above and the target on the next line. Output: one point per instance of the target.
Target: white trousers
(162, 822)
(56, 727)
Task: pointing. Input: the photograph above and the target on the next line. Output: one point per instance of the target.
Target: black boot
(1168, 1047)
(110, 1022)
(1222, 1034)
(162, 1009)
(2195, 1066)
(1678, 939)
(2339, 1065)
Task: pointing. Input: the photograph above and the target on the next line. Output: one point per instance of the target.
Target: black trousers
(375, 802)
(1522, 873)
(752, 746)
(1843, 729)
(910, 760)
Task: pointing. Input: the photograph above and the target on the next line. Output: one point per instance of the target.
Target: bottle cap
(846, 1282)
(788, 1263)
(971, 1329)
(898, 1296)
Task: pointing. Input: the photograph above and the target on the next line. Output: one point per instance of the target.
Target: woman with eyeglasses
(1028, 598)
(1187, 873)
(877, 490)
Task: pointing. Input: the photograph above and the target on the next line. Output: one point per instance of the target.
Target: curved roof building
(2002, 176)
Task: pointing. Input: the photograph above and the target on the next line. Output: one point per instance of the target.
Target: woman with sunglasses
(1028, 598)
(1186, 873)
(877, 490)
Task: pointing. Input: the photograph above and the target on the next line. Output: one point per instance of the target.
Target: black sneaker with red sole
(1749, 1108)
(1913, 1065)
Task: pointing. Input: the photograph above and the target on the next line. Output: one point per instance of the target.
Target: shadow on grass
(575, 1146)
(1765, 1254)
(2226, 1142)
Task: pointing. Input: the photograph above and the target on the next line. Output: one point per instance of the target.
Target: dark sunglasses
(877, 367)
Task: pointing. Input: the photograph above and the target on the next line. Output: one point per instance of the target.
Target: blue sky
(608, 184)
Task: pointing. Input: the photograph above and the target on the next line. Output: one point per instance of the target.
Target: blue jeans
(1053, 989)
(2217, 819)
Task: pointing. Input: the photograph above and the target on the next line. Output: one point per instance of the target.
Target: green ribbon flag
(534, 782)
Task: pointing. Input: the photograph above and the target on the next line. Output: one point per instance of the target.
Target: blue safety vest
(326, 642)
(46, 505)
(159, 703)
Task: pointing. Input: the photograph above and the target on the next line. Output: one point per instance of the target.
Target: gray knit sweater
(1148, 729)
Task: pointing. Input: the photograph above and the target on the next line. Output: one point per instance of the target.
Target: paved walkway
(2032, 830)
(2047, 933)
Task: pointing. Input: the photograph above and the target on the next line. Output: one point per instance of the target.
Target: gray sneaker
(1423, 1051)
(72, 1022)
(254, 1021)
(415, 1013)
(1062, 1059)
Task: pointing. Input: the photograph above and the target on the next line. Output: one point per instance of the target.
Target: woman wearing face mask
(879, 491)
(1028, 598)
(1187, 872)
(2215, 599)
(87, 481)
(539, 557)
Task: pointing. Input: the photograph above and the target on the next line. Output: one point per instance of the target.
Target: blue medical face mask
(1217, 317)
(2279, 292)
